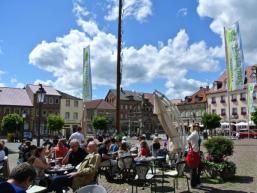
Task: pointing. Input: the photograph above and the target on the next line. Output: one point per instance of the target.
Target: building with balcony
(71, 109)
(16, 100)
(193, 107)
(217, 98)
(99, 108)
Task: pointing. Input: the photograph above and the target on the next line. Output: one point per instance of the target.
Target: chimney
(207, 87)
(201, 87)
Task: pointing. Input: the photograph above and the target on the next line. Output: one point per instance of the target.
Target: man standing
(20, 179)
(84, 175)
(78, 135)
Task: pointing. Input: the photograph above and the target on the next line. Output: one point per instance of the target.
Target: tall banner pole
(87, 86)
(250, 107)
(228, 83)
(234, 61)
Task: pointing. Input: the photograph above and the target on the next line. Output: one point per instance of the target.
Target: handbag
(192, 158)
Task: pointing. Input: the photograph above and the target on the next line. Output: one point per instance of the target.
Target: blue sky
(173, 46)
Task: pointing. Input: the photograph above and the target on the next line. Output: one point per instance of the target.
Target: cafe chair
(142, 177)
(178, 172)
(125, 165)
(92, 189)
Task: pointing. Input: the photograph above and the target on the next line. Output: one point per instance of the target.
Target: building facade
(193, 107)
(218, 101)
(51, 105)
(16, 100)
(99, 108)
(136, 112)
(71, 109)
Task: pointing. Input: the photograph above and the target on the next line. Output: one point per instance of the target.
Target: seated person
(84, 175)
(38, 161)
(60, 149)
(155, 147)
(114, 147)
(6, 150)
(123, 151)
(20, 179)
(75, 154)
(2, 153)
(144, 150)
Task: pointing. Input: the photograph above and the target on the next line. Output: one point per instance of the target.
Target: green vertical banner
(234, 57)
(87, 82)
(250, 106)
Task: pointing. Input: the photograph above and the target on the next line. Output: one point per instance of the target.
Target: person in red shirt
(60, 150)
(144, 149)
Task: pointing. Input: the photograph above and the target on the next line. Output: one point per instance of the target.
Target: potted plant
(216, 163)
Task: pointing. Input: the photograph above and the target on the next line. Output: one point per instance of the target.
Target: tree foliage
(100, 123)
(211, 120)
(12, 123)
(254, 116)
(55, 122)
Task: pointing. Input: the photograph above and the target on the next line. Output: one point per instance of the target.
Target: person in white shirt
(78, 135)
(194, 140)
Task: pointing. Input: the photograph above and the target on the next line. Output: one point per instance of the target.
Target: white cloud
(13, 80)
(225, 13)
(171, 61)
(138, 9)
(182, 12)
(78, 10)
(20, 85)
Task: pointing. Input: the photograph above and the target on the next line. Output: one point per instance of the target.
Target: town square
(128, 96)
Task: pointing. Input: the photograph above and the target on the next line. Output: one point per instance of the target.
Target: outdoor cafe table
(153, 161)
(59, 170)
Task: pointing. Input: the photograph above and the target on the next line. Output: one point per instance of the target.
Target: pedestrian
(78, 135)
(194, 141)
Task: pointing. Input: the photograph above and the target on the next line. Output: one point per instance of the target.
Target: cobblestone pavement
(245, 157)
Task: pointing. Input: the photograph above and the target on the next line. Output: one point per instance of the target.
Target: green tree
(12, 123)
(55, 122)
(254, 116)
(211, 121)
(100, 123)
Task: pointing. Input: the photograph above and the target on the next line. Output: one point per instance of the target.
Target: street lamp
(40, 99)
(24, 119)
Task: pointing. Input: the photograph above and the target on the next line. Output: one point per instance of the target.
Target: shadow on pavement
(215, 190)
(242, 179)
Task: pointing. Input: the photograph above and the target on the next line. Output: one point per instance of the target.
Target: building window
(213, 100)
(45, 100)
(56, 101)
(44, 113)
(254, 95)
(126, 107)
(213, 110)
(7, 111)
(51, 101)
(234, 111)
(67, 115)
(233, 98)
(76, 103)
(223, 112)
(67, 103)
(242, 96)
(243, 110)
(222, 99)
(75, 116)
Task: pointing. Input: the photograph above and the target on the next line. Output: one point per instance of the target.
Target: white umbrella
(251, 123)
(224, 124)
(168, 116)
(241, 124)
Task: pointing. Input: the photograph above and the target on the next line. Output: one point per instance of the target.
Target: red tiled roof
(150, 97)
(14, 97)
(99, 104)
(201, 93)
